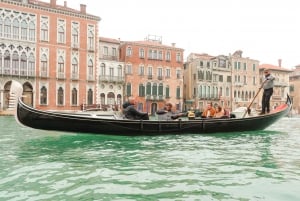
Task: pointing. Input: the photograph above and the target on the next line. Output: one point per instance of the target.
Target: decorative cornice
(53, 10)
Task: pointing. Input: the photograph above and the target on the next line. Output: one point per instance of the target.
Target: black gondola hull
(57, 121)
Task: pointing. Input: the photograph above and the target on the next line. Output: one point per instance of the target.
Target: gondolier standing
(268, 85)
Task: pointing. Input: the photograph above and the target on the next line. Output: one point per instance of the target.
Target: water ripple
(38, 165)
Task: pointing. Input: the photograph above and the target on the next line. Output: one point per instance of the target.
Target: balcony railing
(115, 79)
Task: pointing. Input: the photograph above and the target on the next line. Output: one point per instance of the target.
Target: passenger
(209, 112)
(130, 112)
(191, 114)
(220, 112)
(167, 114)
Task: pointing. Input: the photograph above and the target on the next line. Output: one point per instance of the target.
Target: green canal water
(44, 165)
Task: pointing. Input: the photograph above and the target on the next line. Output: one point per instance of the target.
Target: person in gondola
(268, 85)
(209, 112)
(220, 112)
(130, 112)
(167, 113)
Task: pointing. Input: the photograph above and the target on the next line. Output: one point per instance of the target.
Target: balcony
(238, 84)
(44, 74)
(90, 78)
(150, 77)
(111, 79)
(109, 57)
(280, 84)
(74, 76)
(75, 46)
(61, 76)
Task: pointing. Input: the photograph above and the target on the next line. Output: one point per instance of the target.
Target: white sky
(266, 30)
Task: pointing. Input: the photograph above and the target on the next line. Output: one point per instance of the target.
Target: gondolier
(268, 85)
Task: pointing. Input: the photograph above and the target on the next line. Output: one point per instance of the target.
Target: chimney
(53, 3)
(65, 4)
(279, 62)
(83, 8)
(173, 44)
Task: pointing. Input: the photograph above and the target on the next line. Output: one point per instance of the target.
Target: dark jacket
(130, 112)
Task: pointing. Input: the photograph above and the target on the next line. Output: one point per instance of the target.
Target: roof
(272, 67)
(151, 43)
(109, 40)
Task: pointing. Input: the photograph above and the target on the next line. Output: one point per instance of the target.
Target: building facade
(229, 81)
(153, 73)
(111, 78)
(281, 83)
(52, 50)
(294, 89)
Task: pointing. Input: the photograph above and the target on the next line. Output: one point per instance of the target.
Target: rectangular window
(141, 70)
(168, 73)
(178, 57)
(128, 69)
(61, 31)
(114, 52)
(105, 50)
(178, 74)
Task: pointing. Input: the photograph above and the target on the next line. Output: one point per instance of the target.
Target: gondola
(112, 124)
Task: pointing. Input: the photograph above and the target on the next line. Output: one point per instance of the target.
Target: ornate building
(111, 73)
(281, 83)
(230, 81)
(52, 50)
(153, 73)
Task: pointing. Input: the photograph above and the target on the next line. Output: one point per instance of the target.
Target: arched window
(60, 96)
(61, 67)
(91, 40)
(148, 89)
(74, 68)
(74, 96)
(7, 28)
(119, 100)
(90, 97)
(154, 89)
(44, 32)
(128, 51)
(75, 37)
(44, 65)
(128, 89)
(90, 69)
(7, 65)
(1, 27)
(141, 90)
(120, 73)
(178, 92)
(31, 65)
(167, 91)
(160, 89)
(43, 96)
(16, 28)
(23, 64)
(31, 31)
(111, 98)
(24, 28)
(61, 34)
(15, 63)
(102, 98)
(102, 69)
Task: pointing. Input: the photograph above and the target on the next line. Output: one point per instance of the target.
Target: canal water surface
(44, 165)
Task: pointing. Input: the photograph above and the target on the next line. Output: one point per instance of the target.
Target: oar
(248, 108)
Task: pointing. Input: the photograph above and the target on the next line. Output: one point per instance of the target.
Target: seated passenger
(220, 112)
(167, 114)
(130, 112)
(209, 112)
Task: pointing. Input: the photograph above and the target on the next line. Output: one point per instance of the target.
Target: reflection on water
(41, 165)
